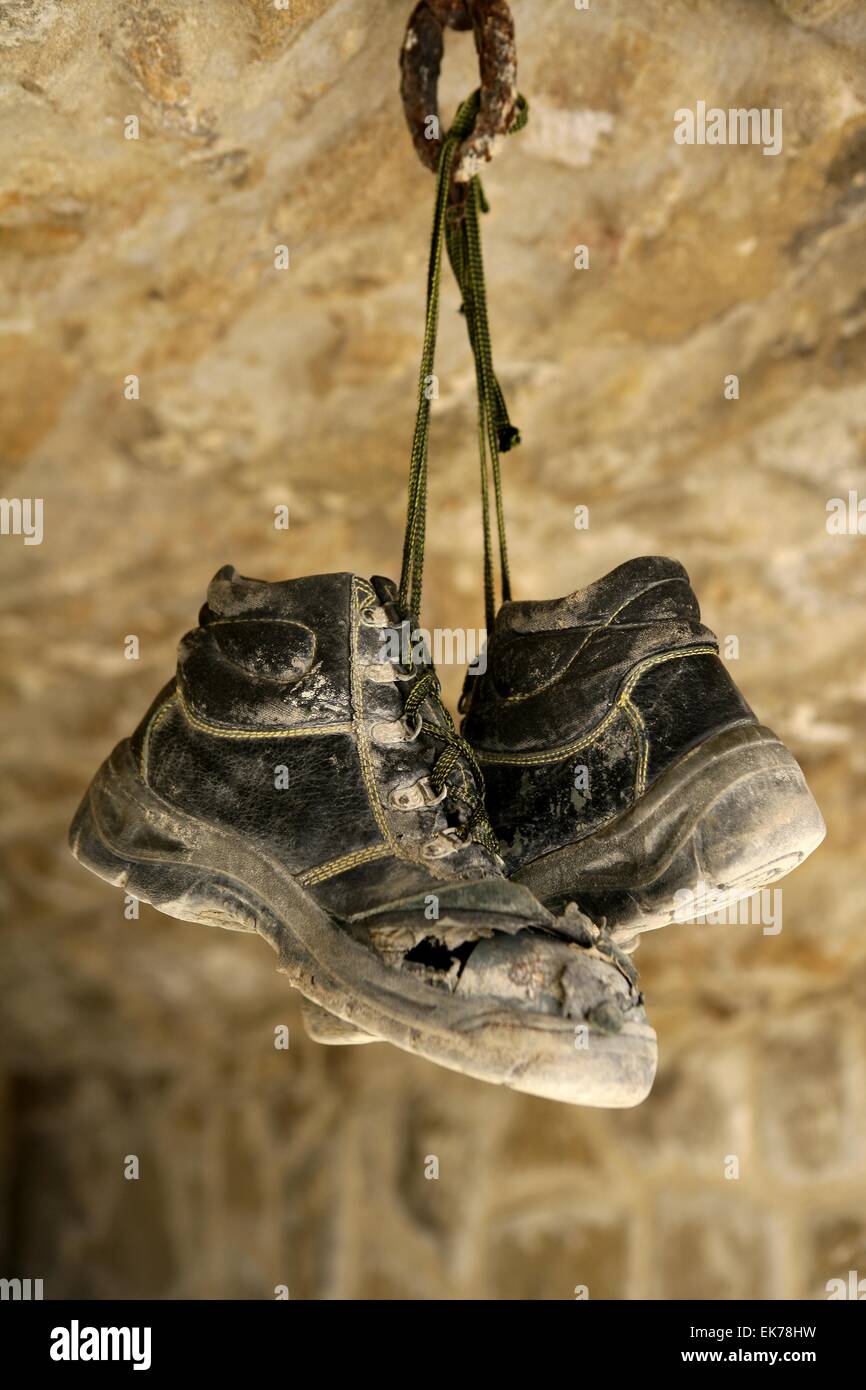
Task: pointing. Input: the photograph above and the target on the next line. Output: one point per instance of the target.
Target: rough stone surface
(261, 127)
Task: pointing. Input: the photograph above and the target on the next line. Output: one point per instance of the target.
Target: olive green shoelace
(456, 224)
(477, 826)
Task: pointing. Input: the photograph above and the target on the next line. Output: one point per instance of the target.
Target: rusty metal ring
(420, 64)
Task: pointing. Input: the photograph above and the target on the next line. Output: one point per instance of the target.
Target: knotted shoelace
(457, 750)
(456, 225)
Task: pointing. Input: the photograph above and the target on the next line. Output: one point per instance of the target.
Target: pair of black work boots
(301, 778)
(297, 780)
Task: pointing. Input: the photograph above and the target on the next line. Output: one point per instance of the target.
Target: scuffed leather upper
(588, 698)
(278, 726)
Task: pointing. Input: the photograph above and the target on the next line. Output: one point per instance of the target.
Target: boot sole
(325, 1027)
(730, 817)
(188, 868)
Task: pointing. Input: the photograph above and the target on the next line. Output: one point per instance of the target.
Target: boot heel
(126, 835)
(732, 816)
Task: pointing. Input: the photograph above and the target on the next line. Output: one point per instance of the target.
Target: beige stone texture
(154, 257)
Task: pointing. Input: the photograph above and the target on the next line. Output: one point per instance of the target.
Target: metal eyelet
(446, 842)
(374, 617)
(392, 731)
(419, 796)
(419, 724)
(428, 790)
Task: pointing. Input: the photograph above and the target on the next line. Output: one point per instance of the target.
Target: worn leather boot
(297, 781)
(624, 769)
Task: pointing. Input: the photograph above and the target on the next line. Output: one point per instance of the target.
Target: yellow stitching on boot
(219, 731)
(634, 717)
(320, 872)
(643, 771)
(245, 618)
(150, 730)
(557, 755)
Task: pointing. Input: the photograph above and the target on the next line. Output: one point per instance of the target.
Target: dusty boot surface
(297, 781)
(623, 766)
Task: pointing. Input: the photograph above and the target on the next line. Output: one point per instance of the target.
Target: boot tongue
(388, 595)
(233, 595)
(313, 598)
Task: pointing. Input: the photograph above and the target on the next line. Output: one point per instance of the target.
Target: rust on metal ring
(420, 64)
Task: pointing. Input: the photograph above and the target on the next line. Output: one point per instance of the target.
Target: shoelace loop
(477, 826)
(456, 225)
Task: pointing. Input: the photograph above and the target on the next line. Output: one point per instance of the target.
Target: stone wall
(154, 257)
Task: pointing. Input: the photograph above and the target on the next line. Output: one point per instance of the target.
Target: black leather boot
(623, 766)
(297, 781)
